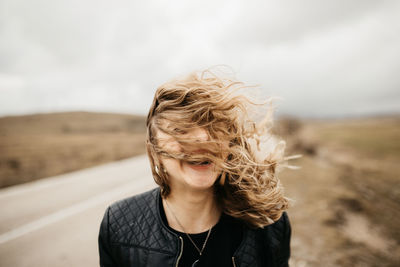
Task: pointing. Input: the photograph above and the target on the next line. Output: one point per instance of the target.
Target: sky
(322, 58)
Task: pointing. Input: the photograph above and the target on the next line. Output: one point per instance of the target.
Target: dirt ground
(43, 145)
(345, 196)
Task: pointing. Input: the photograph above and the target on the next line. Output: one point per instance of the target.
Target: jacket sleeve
(276, 243)
(105, 253)
(284, 255)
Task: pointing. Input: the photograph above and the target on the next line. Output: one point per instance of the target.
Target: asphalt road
(55, 221)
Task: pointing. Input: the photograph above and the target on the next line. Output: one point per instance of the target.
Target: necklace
(191, 240)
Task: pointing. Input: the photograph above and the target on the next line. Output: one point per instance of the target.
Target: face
(182, 174)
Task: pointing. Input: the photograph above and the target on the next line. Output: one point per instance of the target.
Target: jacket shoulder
(278, 231)
(132, 229)
(277, 240)
(280, 226)
(125, 208)
(132, 217)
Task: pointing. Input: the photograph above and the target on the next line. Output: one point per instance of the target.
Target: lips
(206, 162)
(200, 166)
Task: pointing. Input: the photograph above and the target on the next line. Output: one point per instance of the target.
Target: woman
(219, 202)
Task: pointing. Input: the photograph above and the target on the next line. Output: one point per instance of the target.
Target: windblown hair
(244, 152)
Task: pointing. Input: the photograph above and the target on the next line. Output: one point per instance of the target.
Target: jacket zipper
(180, 253)
(233, 261)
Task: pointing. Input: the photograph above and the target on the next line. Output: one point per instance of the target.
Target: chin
(200, 176)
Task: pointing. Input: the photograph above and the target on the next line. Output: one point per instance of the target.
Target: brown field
(346, 195)
(346, 209)
(37, 146)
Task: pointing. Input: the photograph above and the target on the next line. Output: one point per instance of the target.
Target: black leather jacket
(132, 233)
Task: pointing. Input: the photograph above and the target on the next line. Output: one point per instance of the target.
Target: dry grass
(43, 145)
(346, 206)
(374, 138)
(347, 194)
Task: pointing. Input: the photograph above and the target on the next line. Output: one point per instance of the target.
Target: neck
(194, 211)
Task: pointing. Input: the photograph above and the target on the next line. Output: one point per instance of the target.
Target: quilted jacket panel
(132, 233)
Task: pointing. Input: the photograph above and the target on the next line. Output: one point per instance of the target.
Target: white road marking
(129, 188)
(71, 177)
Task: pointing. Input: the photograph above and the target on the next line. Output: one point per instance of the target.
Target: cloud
(335, 57)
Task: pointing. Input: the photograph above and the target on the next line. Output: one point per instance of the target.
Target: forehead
(166, 141)
(164, 123)
(173, 134)
(162, 136)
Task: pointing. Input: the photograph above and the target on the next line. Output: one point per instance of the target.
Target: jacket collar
(246, 253)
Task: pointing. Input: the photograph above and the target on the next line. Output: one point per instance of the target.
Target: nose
(199, 135)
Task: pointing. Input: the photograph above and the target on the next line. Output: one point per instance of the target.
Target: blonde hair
(245, 152)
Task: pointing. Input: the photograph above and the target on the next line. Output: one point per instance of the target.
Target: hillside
(346, 195)
(42, 145)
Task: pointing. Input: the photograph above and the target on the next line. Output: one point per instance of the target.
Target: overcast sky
(324, 58)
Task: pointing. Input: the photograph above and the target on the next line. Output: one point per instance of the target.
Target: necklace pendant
(195, 263)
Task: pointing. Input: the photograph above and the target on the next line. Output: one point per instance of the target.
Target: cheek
(172, 146)
(224, 146)
(171, 165)
(167, 142)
